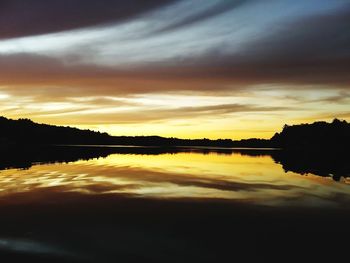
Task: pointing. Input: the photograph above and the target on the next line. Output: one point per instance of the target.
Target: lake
(152, 205)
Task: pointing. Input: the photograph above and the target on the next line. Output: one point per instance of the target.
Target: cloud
(215, 10)
(35, 75)
(33, 17)
(341, 98)
(226, 109)
(216, 49)
(311, 49)
(308, 50)
(92, 112)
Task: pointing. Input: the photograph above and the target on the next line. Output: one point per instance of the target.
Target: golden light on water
(187, 69)
(183, 175)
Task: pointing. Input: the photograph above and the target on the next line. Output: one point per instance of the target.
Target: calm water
(190, 175)
(195, 206)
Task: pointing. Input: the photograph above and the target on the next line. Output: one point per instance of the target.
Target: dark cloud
(216, 10)
(309, 50)
(34, 74)
(32, 17)
(313, 50)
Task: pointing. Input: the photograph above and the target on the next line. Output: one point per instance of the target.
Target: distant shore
(333, 136)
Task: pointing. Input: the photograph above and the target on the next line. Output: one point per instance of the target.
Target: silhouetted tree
(318, 135)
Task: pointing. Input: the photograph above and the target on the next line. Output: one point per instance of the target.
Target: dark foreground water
(188, 205)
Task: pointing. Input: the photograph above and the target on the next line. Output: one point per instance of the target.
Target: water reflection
(250, 176)
(117, 204)
(326, 164)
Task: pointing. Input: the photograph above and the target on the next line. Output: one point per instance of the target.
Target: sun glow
(190, 69)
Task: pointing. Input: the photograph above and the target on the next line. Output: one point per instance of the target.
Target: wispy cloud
(104, 52)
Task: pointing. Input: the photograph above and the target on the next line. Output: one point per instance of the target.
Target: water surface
(236, 176)
(100, 204)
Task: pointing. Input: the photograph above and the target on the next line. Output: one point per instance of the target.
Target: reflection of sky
(256, 180)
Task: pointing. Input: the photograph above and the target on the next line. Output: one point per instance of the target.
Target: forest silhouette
(25, 131)
(334, 136)
(319, 148)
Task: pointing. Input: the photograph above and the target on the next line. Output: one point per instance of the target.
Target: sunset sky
(183, 68)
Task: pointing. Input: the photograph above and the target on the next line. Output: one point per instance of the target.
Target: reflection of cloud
(31, 247)
(177, 176)
(125, 179)
(130, 180)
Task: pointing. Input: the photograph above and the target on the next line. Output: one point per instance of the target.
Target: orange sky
(216, 69)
